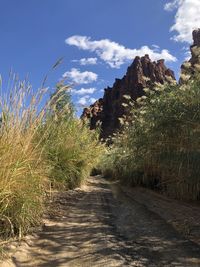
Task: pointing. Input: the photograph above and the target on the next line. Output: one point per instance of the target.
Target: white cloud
(80, 77)
(86, 61)
(83, 100)
(187, 54)
(113, 53)
(86, 100)
(156, 47)
(187, 18)
(83, 91)
(92, 100)
(172, 5)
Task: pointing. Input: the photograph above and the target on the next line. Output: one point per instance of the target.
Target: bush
(160, 148)
(72, 150)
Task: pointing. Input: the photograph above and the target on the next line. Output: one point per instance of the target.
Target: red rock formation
(196, 37)
(140, 74)
(189, 68)
(94, 113)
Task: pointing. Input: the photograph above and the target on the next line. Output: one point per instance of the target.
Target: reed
(42, 144)
(160, 148)
(22, 171)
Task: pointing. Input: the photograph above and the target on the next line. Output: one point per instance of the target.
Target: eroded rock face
(189, 68)
(140, 74)
(195, 48)
(94, 113)
(196, 37)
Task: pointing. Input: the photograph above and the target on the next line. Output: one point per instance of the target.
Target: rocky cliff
(192, 66)
(140, 74)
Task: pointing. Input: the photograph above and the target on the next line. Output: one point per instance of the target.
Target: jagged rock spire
(140, 74)
(196, 37)
(189, 68)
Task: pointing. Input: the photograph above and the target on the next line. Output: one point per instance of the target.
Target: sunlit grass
(22, 171)
(39, 147)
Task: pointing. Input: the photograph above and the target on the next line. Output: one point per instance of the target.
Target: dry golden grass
(22, 171)
(38, 147)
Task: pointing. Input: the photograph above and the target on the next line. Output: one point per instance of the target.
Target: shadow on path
(98, 226)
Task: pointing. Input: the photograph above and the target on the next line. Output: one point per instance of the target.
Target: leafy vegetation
(160, 146)
(41, 145)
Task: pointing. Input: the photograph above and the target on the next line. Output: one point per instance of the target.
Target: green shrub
(72, 150)
(161, 148)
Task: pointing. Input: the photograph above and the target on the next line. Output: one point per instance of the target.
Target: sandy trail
(99, 225)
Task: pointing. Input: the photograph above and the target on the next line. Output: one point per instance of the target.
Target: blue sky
(97, 38)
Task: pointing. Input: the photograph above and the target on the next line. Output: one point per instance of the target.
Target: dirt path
(99, 225)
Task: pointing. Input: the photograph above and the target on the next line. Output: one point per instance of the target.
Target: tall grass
(22, 171)
(71, 149)
(161, 146)
(38, 148)
(71, 152)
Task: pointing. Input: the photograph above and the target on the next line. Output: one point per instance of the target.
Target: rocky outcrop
(140, 74)
(196, 37)
(189, 68)
(94, 114)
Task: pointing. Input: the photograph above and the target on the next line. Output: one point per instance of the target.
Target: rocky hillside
(140, 74)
